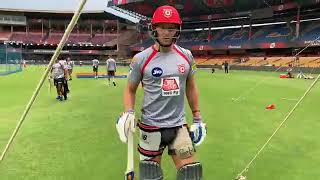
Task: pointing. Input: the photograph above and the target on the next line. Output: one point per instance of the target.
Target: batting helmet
(166, 14)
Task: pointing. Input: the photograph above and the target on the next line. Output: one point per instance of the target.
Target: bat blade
(129, 174)
(50, 85)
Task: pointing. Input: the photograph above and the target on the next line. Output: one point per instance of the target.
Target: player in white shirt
(95, 66)
(70, 67)
(65, 65)
(24, 63)
(59, 74)
(63, 62)
(111, 69)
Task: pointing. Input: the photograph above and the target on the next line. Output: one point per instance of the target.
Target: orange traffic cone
(271, 106)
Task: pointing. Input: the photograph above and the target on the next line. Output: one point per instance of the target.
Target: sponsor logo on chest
(156, 72)
(170, 86)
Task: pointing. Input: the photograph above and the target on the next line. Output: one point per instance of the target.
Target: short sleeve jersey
(95, 62)
(164, 77)
(57, 71)
(111, 65)
(69, 64)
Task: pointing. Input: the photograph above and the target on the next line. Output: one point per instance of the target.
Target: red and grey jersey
(163, 76)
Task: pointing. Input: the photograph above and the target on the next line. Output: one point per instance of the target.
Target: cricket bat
(50, 85)
(129, 174)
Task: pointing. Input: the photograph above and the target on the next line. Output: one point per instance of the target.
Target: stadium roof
(51, 6)
(189, 8)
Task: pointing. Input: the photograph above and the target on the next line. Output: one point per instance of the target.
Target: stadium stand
(267, 45)
(5, 36)
(102, 38)
(32, 37)
(309, 61)
(240, 36)
(78, 38)
(310, 30)
(54, 38)
(253, 61)
(218, 60)
(275, 33)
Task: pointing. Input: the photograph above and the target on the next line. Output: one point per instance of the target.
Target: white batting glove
(198, 131)
(126, 123)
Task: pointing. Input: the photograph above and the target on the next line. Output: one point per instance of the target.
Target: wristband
(195, 111)
(197, 119)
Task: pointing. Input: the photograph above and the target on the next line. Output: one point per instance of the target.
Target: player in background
(24, 63)
(111, 69)
(66, 79)
(226, 67)
(59, 74)
(70, 65)
(95, 67)
(167, 73)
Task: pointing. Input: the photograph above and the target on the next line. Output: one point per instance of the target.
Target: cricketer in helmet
(166, 72)
(166, 25)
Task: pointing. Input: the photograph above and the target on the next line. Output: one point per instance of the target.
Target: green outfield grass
(77, 139)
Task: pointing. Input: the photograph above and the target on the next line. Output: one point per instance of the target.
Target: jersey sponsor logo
(156, 72)
(182, 68)
(170, 86)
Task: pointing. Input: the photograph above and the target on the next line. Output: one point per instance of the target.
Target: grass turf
(77, 139)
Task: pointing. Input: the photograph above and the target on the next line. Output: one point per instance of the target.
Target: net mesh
(10, 58)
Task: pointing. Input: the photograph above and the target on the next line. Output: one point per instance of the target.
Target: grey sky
(52, 5)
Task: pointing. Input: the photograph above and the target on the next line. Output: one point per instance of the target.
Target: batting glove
(198, 131)
(126, 123)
